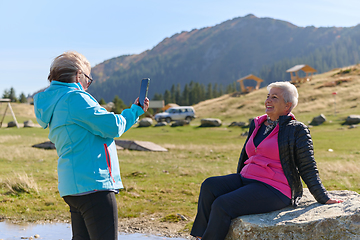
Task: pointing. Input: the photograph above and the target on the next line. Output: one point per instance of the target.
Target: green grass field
(155, 182)
(167, 183)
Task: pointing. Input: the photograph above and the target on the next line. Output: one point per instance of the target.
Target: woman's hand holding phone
(145, 107)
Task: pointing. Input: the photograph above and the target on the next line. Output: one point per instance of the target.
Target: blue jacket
(83, 133)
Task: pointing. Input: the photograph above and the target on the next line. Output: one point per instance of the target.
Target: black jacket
(297, 159)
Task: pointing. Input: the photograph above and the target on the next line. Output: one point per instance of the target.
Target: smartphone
(143, 90)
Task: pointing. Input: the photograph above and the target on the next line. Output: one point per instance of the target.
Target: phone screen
(143, 90)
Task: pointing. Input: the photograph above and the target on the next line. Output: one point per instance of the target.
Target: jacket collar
(286, 118)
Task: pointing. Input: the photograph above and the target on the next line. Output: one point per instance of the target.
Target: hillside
(315, 97)
(226, 52)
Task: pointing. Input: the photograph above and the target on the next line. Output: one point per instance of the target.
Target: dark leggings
(224, 198)
(94, 216)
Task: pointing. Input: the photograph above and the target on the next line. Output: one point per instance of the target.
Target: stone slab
(310, 220)
(140, 145)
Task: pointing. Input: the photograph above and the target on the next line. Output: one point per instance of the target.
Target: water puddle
(56, 231)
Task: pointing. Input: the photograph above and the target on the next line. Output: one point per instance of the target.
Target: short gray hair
(65, 66)
(289, 92)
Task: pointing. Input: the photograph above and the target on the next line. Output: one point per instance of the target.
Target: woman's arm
(86, 112)
(307, 167)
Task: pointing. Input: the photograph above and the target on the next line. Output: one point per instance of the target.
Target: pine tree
(209, 92)
(23, 98)
(12, 95)
(102, 101)
(167, 97)
(119, 105)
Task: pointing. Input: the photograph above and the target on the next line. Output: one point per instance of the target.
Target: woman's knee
(208, 184)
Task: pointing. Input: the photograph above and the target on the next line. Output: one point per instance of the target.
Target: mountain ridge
(219, 54)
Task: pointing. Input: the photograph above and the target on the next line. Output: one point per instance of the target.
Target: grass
(167, 183)
(155, 182)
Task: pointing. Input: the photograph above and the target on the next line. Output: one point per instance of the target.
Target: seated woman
(277, 151)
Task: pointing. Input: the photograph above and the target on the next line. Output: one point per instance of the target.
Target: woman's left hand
(331, 201)
(146, 104)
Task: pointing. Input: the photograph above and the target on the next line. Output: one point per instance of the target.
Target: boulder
(237, 124)
(180, 123)
(11, 124)
(318, 120)
(145, 122)
(310, 220)
(210, 122)
(160, 124)
(29, 123)
(352, 119)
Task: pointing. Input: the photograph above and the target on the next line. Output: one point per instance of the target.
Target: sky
(33, 33)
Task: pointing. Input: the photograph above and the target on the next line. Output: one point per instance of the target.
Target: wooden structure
(249, 77)
(8, 106)
(294, 73)
(169, 105)
(156, 104)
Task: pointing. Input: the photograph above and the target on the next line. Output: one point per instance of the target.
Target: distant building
(294, 73)
(169, 106)
(249, 77)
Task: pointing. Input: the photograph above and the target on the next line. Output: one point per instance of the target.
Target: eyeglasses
(90, 80)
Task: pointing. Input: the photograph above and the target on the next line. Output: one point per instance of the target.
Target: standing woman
(276, 153)
(83, 133)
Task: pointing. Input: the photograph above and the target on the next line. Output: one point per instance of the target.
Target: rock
(29, 123)
(45, 145)
(109, 106)
(310, 220)
(36, 236)
(245, 134)
(180, 123)
(140, 145)
(352, 119)
(318, 120)
(161, 124)
(237, 124)
(145, 122)
(210, 122)
(11, 124)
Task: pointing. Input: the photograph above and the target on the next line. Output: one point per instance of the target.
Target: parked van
(176, 113)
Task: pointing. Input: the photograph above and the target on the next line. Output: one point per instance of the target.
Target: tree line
(194, 93)
(10, 94)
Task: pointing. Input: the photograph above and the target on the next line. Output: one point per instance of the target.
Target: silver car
(176, 113)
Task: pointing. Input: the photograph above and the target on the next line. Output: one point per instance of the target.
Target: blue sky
(32, 33)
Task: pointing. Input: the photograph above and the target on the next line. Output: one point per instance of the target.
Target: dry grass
(314, 98)
(20, 183)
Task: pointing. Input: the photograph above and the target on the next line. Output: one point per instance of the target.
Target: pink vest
(264, 162)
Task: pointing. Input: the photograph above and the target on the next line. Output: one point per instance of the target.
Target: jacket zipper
(108, 161)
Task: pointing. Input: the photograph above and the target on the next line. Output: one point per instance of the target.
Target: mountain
(226, 52)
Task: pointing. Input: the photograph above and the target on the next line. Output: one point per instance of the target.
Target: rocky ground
(153, 225)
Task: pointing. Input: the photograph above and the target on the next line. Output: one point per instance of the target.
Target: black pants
(224, 198)
(94, 216)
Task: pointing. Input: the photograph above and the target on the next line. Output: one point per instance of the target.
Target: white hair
(289, 92)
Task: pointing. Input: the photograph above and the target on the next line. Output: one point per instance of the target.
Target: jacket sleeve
(243, 155)
(305, 161)
(86, 112)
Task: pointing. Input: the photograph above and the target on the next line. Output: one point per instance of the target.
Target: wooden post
(12, 112)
